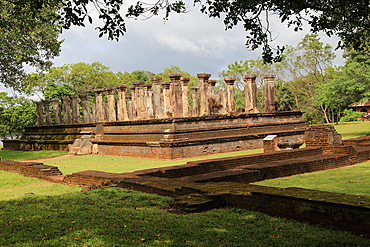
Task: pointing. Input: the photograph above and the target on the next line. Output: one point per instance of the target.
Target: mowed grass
(109, 163)
(350, 130)
(14, 186)
(354, 180)
(118, 217)
(29, 155)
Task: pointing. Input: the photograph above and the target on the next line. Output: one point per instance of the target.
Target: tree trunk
(324, 109)
(296, 101)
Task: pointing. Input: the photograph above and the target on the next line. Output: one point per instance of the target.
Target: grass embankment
(111, 217)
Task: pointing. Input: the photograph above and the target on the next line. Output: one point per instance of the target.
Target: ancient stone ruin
(155, 120)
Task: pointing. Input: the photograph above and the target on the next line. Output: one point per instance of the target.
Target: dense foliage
(27, 37)
(15, 114)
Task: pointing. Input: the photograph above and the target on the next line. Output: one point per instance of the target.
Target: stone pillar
(94, 117)
(133, 102)
(57, 112)
(141, 102)
(157, 106)
(177, 107)
(85, 103)
(230, 94)
(269, 93)
(47, 112)
(122, 114)
(99, 109)
(149, 100)
(66, 101)
(75, 109)
(40, 113)
(166, 100)
(130, 108)
(185, 96)
(195, 95)
(211, 86)
(111, 105)
(203, 81)
(250, 94)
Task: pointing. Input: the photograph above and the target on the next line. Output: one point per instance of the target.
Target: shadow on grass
(118, 217)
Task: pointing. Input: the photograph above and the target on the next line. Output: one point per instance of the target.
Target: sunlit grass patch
(354, 180)
(29, 155)
(14, 186)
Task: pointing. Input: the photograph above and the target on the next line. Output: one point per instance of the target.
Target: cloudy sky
(191, 41)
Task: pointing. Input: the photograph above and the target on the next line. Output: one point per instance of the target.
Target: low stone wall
(30, 169)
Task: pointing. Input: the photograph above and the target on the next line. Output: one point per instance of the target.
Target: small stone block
(270, 144)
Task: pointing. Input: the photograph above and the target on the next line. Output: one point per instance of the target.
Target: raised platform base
(170, 138)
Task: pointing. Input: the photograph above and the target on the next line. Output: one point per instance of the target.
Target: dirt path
(53, 158)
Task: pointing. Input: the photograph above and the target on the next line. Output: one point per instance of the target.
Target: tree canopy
(346, 18)
(28, 36)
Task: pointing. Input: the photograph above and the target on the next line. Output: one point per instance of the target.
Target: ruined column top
(55, 99)
(138, 83)
(166, 84)
(185, 80)
(230, 80)
(204, 75)
(268, 76)
(194, 88)
(212, 82)
(154, 79)
(121, 87)
(84, 96)
(46, 101)
(74, 96)
(65, 98)
(98, 90)
(109, 90)
(175, 75)
(132, 88)
(148, 86)
(250, 76)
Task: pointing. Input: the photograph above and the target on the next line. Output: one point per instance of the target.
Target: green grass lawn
(350, 130)
(15, 186)
(354, 180)
(29, 155)
(118, 217)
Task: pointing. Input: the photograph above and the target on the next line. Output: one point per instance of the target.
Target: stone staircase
(82, 146)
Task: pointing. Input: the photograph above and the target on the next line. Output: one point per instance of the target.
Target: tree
(15, 114)
(309, 67)
(346, 18)
(27, 37)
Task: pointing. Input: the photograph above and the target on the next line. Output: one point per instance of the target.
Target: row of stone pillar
(158, 100)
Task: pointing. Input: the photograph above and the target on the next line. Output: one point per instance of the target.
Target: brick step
(58, 178)
(258, 172)
(232, 175)
(227, 163)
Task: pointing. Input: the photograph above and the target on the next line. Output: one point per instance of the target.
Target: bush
(349, 115)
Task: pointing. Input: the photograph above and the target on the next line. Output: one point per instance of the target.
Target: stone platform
(169, 138)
